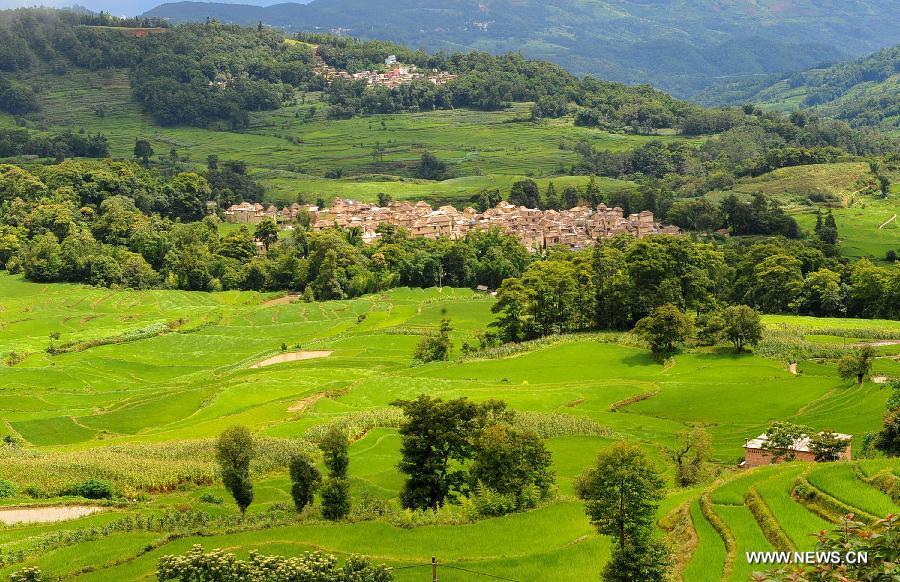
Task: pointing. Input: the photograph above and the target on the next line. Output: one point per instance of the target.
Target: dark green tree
(742, 326)
(525, 193)
(665, 328)
(266, 232)
(621, 494)
(305, 480)
(235, 449)
(436, 436)
(143, 150)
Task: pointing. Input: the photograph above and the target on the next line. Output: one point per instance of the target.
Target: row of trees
(623, 280)
(236, 448)
(19, 142)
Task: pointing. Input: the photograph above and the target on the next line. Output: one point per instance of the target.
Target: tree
(334, 448)
(742, 326)
(781, 438)
(234, 451)
(190, 193)
(305, 479)
(266, 232)
(621, 494)
(511, 461)
(690, 456)
(336, 491)
(551, 198)
(887, 440)
(857, 364)
(435, 347)
(570, 197)
(336, 499)
(666, 327)
(436, 435)
(431, 168)
(143, 150)
(826, 446)
(525, 193)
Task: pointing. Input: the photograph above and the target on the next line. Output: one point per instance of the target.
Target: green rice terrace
(290, 149)
(131, 387)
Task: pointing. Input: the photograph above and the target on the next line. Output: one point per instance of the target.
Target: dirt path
(307, 402)
(889, 220)
(290, 357)
(45, 514)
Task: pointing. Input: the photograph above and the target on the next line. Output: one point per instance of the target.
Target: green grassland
(129, 407)
(290, 149)
(863, 220)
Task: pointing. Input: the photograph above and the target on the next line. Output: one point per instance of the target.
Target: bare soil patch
(286, 300)
(307, 402)
(290, 357)
(877, 344)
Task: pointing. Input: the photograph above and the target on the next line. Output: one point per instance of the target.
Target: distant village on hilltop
(394, 75)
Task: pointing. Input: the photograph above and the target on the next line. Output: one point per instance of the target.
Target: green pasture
(194, 376)
(291, 149)
(866, 228)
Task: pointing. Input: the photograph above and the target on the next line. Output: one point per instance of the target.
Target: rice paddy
(138, 410)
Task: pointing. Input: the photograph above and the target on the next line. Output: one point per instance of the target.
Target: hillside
(865, 91)
(680, 46)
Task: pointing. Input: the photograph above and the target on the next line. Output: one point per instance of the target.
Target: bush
(210, 498)
(91, 489)
(7, 489)
(312, 567)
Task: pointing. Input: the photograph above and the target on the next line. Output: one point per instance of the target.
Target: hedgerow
(310, 567)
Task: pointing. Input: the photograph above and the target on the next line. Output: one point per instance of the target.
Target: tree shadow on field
(640, 359)
(721, 353)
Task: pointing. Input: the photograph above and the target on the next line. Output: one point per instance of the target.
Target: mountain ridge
(622, 40)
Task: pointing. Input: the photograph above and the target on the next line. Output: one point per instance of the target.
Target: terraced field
(781, 508)
(139, 380)
(290, 150)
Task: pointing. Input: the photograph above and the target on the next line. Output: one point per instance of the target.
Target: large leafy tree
(665, 328)
(510, 461)
(857, 364)
(621, 494)
(742, 326)
(436, 434)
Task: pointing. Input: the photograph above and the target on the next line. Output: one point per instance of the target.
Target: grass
(290, 152)
(146, 398)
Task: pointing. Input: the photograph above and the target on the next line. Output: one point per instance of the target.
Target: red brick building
(755, 453)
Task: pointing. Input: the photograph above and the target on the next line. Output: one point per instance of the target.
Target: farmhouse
(755, 453)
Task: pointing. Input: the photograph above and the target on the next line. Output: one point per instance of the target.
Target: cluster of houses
(394, 75)
(536, 229)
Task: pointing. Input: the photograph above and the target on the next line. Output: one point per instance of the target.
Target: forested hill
(681, 46)
(865, 91)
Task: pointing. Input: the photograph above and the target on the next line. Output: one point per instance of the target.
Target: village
(536, 229)
(394, 75)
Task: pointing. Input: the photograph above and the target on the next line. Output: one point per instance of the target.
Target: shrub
(311, 567)
(210, 498)
(29, 574)
(91, 489)
(7, 489)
